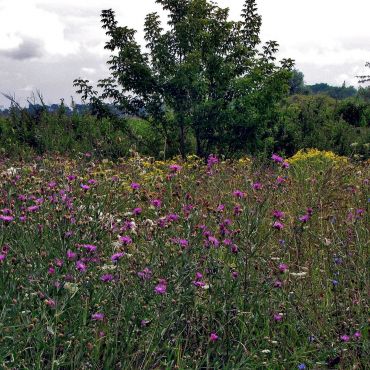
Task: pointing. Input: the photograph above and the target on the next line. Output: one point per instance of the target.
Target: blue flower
(302, 367)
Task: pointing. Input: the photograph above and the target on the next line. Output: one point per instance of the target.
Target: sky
(46, 44)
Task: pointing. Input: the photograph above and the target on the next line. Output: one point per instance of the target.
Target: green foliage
(198, 78)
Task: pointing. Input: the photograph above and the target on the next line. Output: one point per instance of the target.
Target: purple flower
(117, 256)
(89, 247)
(283, 267)
(97, 316)
(276, 158)
(257, 186)
(345, 338)
(135, 186)
(238, 194)
(156, 203)
(175, 168)
(278, 214)
(357, 335)
(6, 219)
(85, 187)
(137, 211)
(278, 225)
(161, 288)
(80, 266)
(304, 218)
(125, 240)
(278, 317)
(71, 255)
(302, 367)
(146, 274)
(213, 337)
(106, 278)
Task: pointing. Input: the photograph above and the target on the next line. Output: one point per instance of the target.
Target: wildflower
(278, 284)
(283, 267)
(220, 208)
(85, 187)
(80, 266)
(278, 316)
(276, 158)
(172, 217)
(156, 203)
(302, 367)
(106, 278)
(97, 316)
(304, 218)
(345, 338)
(135, 186)
(2, 257)
(335, 282)
(212, 160)
(89, 247)
(213, 337)
(285, 164)
(6, 219)
(144, 323)
(125, 240)
(183, 243)
(146, 274)
(257, 186)
(71, 255)
(237, 210)
(235, 274)
(92, 182)
(117, 256)
(357, 335)
(50, 302)
(137, 211)
(161, 287)
(175, 168)
(278, 214)
(238, 194)
(278, 225)
(51, 271)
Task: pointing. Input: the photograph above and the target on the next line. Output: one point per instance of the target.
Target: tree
(204, 76)
(364, 78)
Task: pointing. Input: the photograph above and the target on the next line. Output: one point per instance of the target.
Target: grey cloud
(27, 49)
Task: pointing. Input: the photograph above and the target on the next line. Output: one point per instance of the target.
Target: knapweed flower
(283, 267)
(175, 168)
(276, 158)
(50, 302)
(345, 338)
(125, 240)
(6, 219)
(212, 160)
(304, 218)
(357, 335)
(106, 278)
(146, 274)
(278, 284)
(80, 266)
(278, 316)
(137, 211)
(98, 316)
(235, 274)
(257, 186)
(135, 186)
(161, 288)
(278, 225)
(278, 214)
(213, 337)
(85, 187)
(71, 255)
(238, 194)
(117, 256)
(156, 203)
(89, 247)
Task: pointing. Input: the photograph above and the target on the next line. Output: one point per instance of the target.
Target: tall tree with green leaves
(204, 76)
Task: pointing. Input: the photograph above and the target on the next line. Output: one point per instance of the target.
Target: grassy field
(184, 265)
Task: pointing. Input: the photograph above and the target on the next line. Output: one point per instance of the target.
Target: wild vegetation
(145, 264)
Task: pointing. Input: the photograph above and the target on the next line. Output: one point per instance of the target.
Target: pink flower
(89, 247)
(117, 256)
(137, 211)
(135, 186)
(257, 186)
(156, 203)
(80, 266)
(278, 214)
(278, 317)
(97, 316)
(71, 255)
(345, 338)
(357, 335)
(213, 337)
(161, 288)
(6, 219)
(304, 218)
(278, 225)
(125, 240)
(283, 267)
(106, 278)
(175, 168)
(238, 194)
(85, 187)
(276, 158)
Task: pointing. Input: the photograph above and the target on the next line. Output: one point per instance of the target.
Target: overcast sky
(46, 44)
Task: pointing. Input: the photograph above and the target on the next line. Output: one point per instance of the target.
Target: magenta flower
(278, 225)
(97, 316)
(257, 186)
(161, 288)
(304, 218)
(285, 164)
(283, 267)
(6, 219)
(278, 317)
(278, 284)
(80, 266)
(175, 168)
(135, 186)
(278, 214)
(235, 274)
(146, 274)
(345, 338)
(156, 203)
(117, 256)
(357, 335)
(50, 302)
(213, 337)
(276, 158)
(137, 211)
(125, 240)
(106, 278)
(238, 194)
(89, 247)
(2, 257)
(85, 187)
(71, 255)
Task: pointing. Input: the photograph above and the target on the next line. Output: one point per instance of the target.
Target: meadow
(217, 264)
